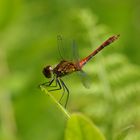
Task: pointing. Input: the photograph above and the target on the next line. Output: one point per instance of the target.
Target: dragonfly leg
(61, 85)
(59, 88)
(62, 94)
(51, 82)
(65, 87)
(47, 83)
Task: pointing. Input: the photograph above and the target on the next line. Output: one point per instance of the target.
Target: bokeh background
(28, 30)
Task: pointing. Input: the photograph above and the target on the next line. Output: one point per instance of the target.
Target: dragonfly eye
(47, 71)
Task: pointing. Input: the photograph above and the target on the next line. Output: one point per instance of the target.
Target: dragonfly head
(47, 71)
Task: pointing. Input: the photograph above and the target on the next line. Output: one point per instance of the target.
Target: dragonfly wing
(75, 54)
(85, 79)
(75, 51)
(60, 47)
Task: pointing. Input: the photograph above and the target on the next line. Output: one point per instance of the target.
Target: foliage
(115, 92)
(80, 128)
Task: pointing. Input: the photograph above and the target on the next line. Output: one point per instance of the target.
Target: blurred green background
(28, 30)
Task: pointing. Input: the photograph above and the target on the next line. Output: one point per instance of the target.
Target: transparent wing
(75, 52)
(85, 79)
(60, 46)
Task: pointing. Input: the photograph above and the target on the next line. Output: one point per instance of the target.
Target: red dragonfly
(67, 67)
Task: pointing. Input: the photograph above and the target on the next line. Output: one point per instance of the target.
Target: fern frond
(113, 101)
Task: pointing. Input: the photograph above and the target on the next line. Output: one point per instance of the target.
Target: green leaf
(81, 128)
(55, 101)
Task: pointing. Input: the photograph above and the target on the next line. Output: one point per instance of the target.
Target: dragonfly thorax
(48, 71)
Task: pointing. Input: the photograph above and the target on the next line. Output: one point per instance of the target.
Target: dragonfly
(65, 67)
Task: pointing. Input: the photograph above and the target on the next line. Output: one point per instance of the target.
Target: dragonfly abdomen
(103, 45)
